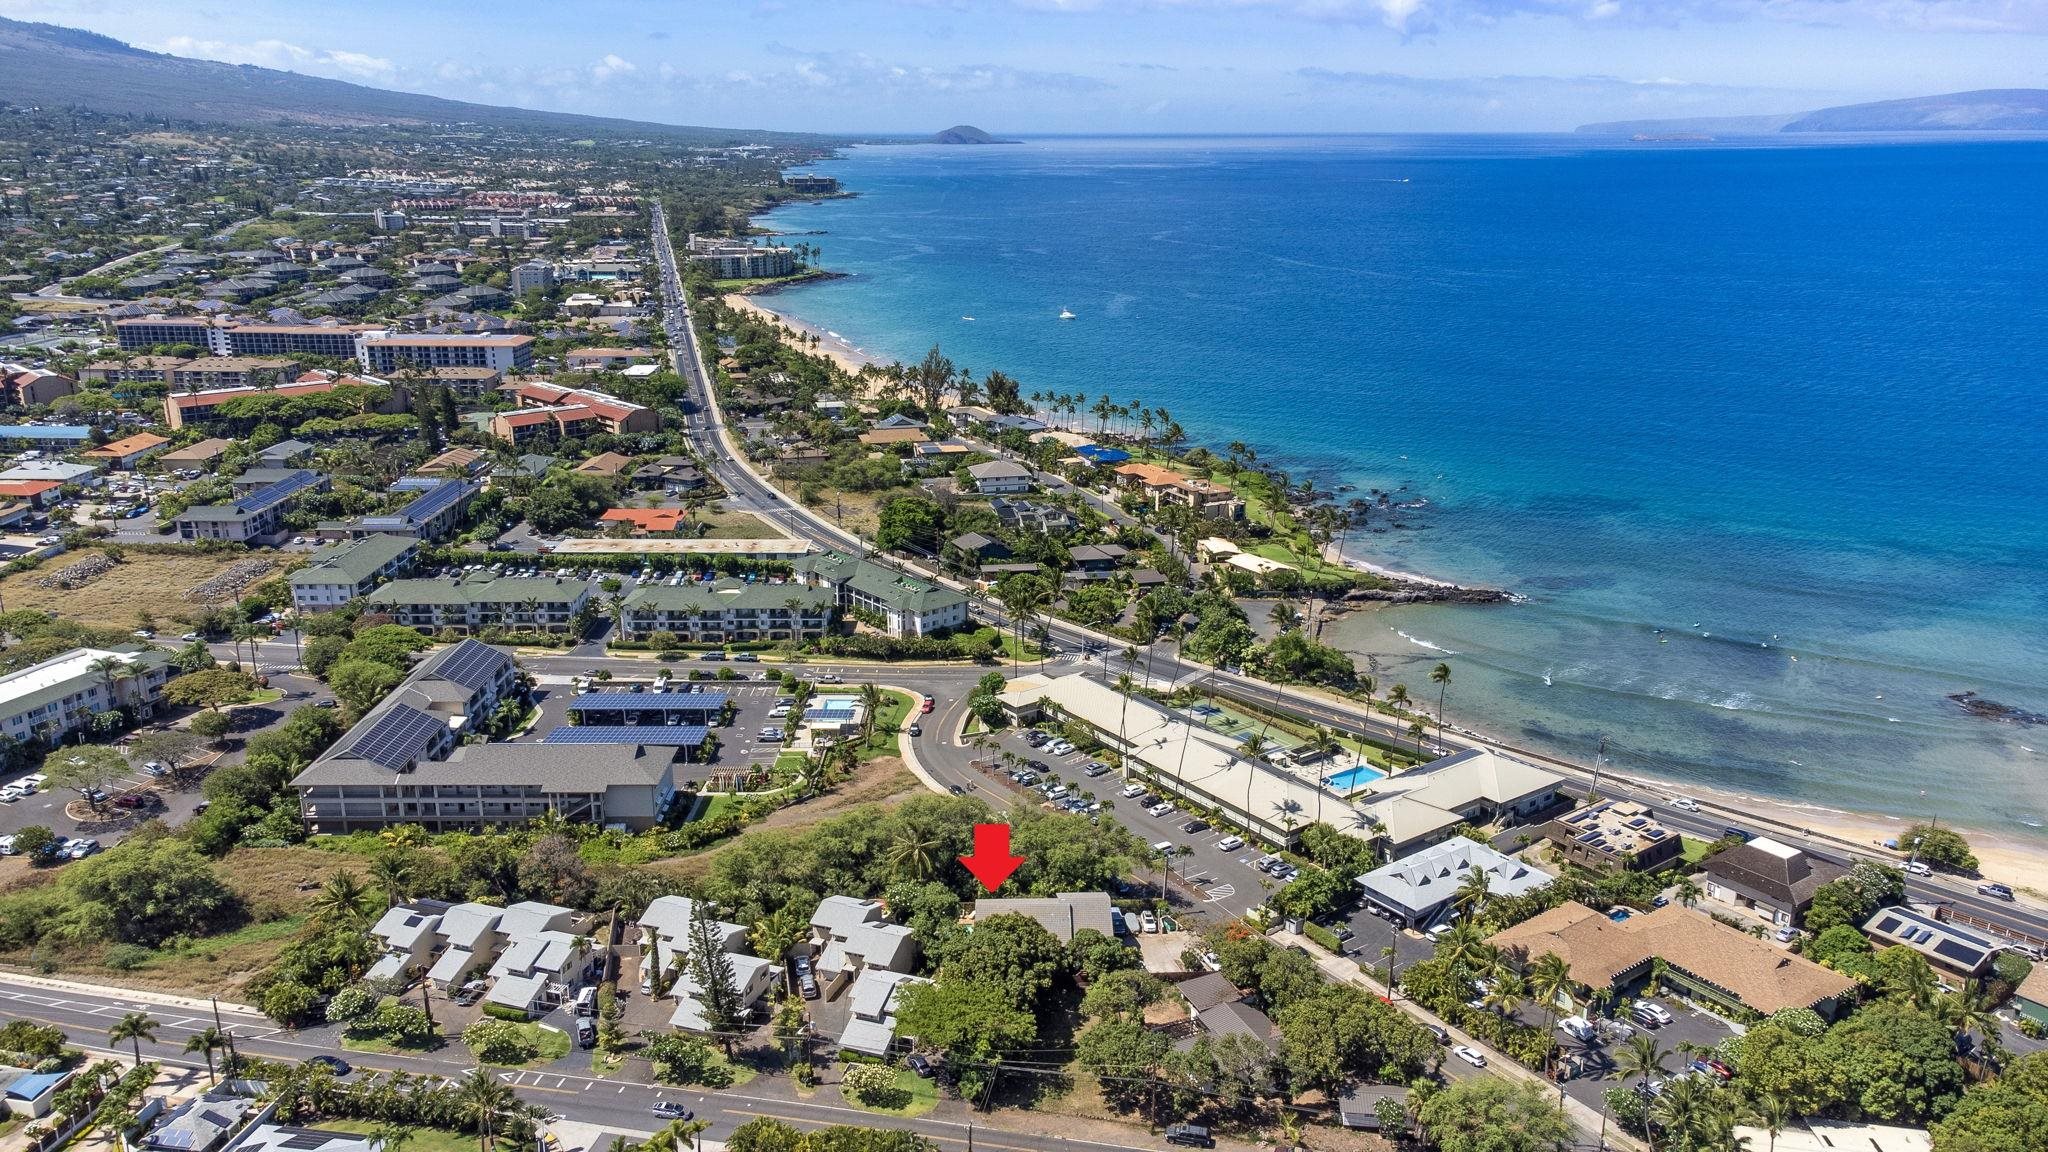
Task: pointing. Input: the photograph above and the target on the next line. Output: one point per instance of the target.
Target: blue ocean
(1756, 429)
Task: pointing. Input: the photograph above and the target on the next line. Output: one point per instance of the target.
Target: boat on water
(967, 317)
(1066, 315)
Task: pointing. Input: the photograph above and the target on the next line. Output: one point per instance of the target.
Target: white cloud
(612, 67)
(285, 55)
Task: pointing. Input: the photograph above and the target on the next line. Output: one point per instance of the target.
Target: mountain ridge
(49, 64)
(1981, 110)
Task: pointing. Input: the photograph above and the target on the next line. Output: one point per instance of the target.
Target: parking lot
(740, 742)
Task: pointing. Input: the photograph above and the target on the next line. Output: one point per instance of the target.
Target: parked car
(7, 845)
(1095, 768)
(1159, 809)
(1437, 1030)
(1194, 826)
(1786, 934)
(1469, 1055)
(154, 768)
(1578, 1028)
(1230, 843)
(1918, 868)
(1189, 1136)
(80, 849)
(806, 981)
(469, 993)
(12, 793)
(923, 1067)
(1652, 1015)
(1147, 921)
(1130, 790)
(334, 1064)
(1059, 747)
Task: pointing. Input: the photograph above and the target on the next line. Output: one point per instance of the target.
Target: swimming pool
(1353, 778)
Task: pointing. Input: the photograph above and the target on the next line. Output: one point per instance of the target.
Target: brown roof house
(1768, 880)
(1703, 958)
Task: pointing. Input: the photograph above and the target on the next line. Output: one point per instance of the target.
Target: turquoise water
(1756, 430)
(1353, 778)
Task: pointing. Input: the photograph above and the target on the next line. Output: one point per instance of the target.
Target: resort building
(1180, 756)
(1771, 881)
(1946, 946)
(1703, 958)
(470, 604)
(205, 454)
(545, 409)
(49, 437)
(134, 370)
(1420, 886)
(25, 387)
(1814, 1134)
(1614, 835)
(434, 514)
(538, 966)
(898, 603)
(231, 372)
(46, 702)
(1477, 786)
(257, 518)
(124, 454)
(739, 260)
(727, 611)
(606, 359)
(383, 353)
(339, 573)
(196, 407)
(235, 338)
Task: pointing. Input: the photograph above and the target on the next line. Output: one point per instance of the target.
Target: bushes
(1323, 937)
(494, 1041)
(873, 1085)
(501, 1012)
(679, 1059)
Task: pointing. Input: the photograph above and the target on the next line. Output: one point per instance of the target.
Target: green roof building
(728, 611)
(906, 604)
(341, 572)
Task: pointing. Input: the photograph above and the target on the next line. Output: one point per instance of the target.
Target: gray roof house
(1063, 915)
(1418, 886)
(1000, 477)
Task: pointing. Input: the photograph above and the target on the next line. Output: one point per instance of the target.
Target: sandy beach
(1333, 554)
(838, 349)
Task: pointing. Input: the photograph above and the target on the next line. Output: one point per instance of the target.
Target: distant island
(966, 134)
(1989, 110)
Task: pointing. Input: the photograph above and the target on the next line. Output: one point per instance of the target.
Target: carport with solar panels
(648, 709)
(685, 741)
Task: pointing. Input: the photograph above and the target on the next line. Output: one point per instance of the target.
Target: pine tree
(711, 970)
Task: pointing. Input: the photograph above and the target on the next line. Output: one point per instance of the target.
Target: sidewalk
(1340, 968)
(189, 1003)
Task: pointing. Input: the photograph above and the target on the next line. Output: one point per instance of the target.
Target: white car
(1685, 804)
(1131, 790)
(11, 793)
(6, 845)
(1148, 921)
(34, 782)
(1060, 748)
(1230, 843)
(1918, 869)
(1159, 809)
(1469, 1055)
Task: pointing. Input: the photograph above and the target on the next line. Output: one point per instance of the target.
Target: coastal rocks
(1992, 710)
(1412, 592)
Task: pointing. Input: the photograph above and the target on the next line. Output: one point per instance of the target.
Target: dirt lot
(160, 582)
(883, 780)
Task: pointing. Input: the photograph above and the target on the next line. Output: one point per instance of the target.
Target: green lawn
(889, 720)
(423, 1139)
(549, 1044)
(1692, 849)
(921, 1096)
(264, 696)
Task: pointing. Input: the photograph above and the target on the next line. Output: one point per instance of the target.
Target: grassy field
(737, 526)
(549, 1044)
(1692, 849)
(889, 720)
(160, 583)
(422, 1139)
(919, 1096)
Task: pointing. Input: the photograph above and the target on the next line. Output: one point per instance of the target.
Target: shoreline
(2000, 856)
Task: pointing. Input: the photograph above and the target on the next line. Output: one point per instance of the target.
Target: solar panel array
(472, 664)
(651, 701)
(397, 738)
(655, 735)
(271, 495)
(1960, 952)
(434, 501)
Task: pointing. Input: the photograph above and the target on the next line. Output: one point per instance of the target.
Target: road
(1164, 664)
(619, 1105)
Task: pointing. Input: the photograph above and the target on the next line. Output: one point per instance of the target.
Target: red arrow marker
(992, 862)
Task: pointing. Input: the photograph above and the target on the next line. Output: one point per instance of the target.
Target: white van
(586, 1001)
(1164, 847)
(1578, 1028)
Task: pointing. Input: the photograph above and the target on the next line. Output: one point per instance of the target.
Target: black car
(1437, 1030)
(921, 1066)
(334, 1064)
(1190, 1136)
(1193, 826)
(956, 790)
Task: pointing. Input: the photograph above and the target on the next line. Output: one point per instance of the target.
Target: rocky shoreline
(1411, 592)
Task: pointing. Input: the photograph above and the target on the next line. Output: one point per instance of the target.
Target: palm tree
(1466, 948)
(1283, 616)
(1641, 1056)
(912, 855)
(135, 1027)
(392, 1137)
(1685, 1107)
(1473, 891)
(871, 709)
(1509, 989)
(392, 873)
(1773, 1109)
(483, 1099)
(1441, 677)
(1688, 891)
(1416, 732)
(206, 1040)
(344, 899)
(1397, 696)
(1124, 687)
(1550, 978)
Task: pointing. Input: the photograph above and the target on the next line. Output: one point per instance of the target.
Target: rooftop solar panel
(1960, 952)
(654, 735)
(397, 738)
(1888, 925)
(471, 663)
(434, 501)
(273, 494)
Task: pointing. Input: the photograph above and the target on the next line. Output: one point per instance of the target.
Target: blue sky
(1115, 65)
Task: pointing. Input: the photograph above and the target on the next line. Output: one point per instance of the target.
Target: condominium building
(342, 572)
(1614, 835)
(903, 605)
(738, 260)
(234, 338)
(500, 352)
(231, 372)
(23, 387)
(545, 408)
(432, 515)
(257, 518)
(196, 407)
(46, 702)
(468, 604)
(532, 276)
(729, 610)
